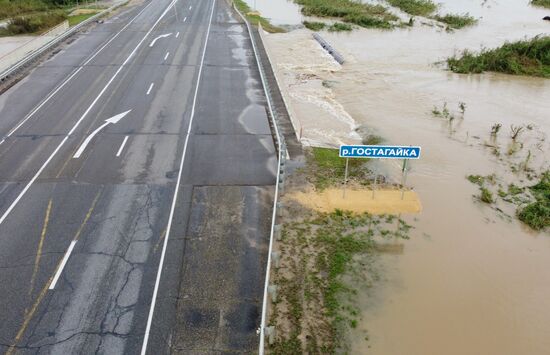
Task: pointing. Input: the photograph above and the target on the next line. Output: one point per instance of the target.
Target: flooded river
(470, 280)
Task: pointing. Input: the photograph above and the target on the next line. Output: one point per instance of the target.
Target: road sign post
(345, 178)
(403, 178)
(380, 152)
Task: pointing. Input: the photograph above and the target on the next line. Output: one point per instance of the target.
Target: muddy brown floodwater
(469, 281)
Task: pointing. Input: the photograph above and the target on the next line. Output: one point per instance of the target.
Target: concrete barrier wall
(19, 53)
(295, 122)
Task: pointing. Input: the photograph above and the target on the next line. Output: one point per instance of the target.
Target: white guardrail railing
(279, 187)
(28, 57)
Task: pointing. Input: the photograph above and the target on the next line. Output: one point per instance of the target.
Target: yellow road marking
(40, 244)
(28, 318)
(88, 215)
(30, 313)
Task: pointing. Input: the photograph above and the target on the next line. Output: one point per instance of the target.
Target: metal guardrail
(12, 57)
(34, 54)
(279, 189)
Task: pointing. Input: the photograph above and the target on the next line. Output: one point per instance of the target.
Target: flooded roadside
(469, 280)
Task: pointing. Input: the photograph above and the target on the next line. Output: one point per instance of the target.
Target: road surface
(136, 179)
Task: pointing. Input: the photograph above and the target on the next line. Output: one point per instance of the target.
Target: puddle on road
(469, 281)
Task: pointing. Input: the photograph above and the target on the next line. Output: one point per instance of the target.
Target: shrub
(529, 57)
(314, 26)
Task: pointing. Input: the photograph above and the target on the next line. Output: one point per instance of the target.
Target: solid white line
(166, 56)
(177, 35)
(122, 146)
(29, 184)
(150, 88)
(71, 76)
(62, 265)
(176, 190)
(185, 19)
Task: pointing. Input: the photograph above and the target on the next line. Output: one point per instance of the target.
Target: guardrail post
(270, 333)
(279, 209)
(276, 258)
(277, 230)
(272, 289)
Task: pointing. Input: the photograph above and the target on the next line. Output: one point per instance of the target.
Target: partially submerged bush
(338, 27)
(365, 15)
(529, 57)
(415, 7)
(456, 21)
(314, 26)
(537, 214)
(543, 3)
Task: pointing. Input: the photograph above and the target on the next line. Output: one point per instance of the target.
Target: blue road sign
(379, 151)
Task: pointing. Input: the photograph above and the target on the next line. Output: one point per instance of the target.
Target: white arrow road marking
(109, 121)
(84, 115)
(62, 265)
(159, 37)
(122, 146)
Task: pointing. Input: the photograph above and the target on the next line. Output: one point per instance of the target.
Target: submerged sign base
(379, 151)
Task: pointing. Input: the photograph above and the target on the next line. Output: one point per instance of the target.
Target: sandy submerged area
(380, 202)
(468, 277)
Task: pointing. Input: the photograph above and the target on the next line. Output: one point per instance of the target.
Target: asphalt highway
(136, 179)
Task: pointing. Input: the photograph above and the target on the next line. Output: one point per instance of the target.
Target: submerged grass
(532, 202)
(365, 15)
(456, 21)
(415, 7)
(537, 213)
(528, 57)
(255, 17)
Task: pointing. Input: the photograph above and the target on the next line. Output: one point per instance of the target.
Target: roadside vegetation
(543, 3)
(38, 16)
(349, 11)
(326, 261)
(528, 57)
(76, 19)
(327, 169)
(255, 18)
(35, 23)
